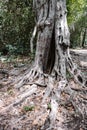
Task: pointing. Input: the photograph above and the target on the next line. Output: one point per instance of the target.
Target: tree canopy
(17, 23)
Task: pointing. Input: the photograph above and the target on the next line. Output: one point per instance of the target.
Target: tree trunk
(53, 32)
(61, 38)
(45, 23)
(52, 23)
(84, 36)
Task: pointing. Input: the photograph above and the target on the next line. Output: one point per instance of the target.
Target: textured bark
(61, 38)
(52, 33)
(45, 23)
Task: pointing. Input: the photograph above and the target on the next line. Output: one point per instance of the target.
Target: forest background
(17, 23)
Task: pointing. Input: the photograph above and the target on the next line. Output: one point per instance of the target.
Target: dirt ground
(31, 113)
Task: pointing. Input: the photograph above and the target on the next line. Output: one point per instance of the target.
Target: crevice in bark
(51, 58)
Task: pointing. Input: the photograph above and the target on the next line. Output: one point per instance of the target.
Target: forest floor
(31, 113)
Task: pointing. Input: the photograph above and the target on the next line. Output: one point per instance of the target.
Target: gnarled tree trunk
(52, 32)
(52, 52)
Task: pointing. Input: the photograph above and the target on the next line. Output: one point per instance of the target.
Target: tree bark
(51, 21)
(53, 32)
(45, 23)
(61, 37)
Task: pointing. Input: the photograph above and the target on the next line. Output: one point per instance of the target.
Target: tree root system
(57, 105)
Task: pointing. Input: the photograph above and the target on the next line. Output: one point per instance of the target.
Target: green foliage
(10, 92)
(76, 9)
(28, 108)
(16, 24)
(77, 19)
(11, 49)
(49, 106)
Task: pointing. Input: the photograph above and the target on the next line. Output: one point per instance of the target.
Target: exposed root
(20, 98)
(35, 76)
(26, 94)
(41, 81)
(73, 69)
(49, 88)
(55, 87)
(54, 91)
(54, 96)
(53, 114)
